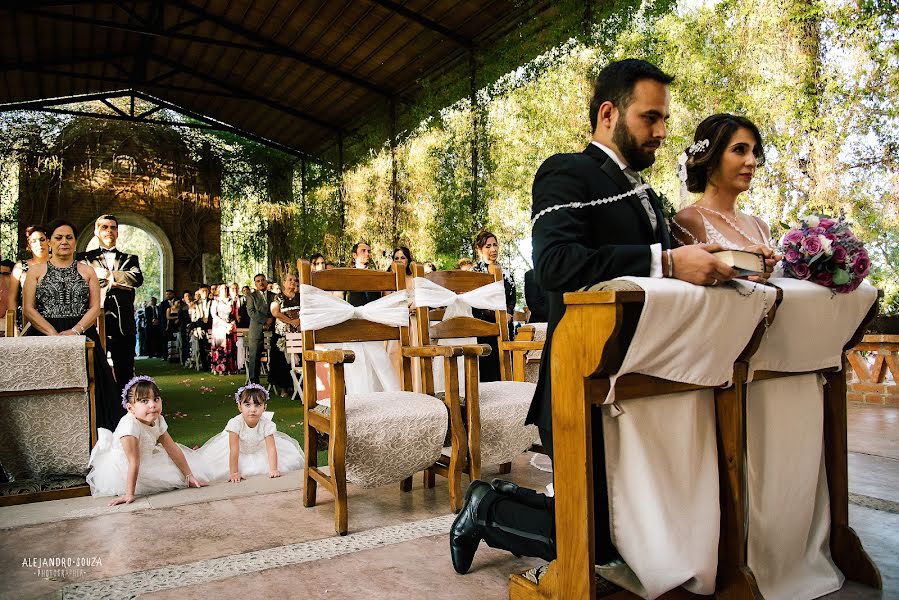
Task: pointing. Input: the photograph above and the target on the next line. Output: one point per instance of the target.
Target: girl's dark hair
(143, 389)
(32, 228)
(315, 257)
(408, 254)
(718, 130)
(481, 240)
(254, 394)
(52, 226)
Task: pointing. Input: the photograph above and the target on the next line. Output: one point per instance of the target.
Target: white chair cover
(431, 295)
(372, 370)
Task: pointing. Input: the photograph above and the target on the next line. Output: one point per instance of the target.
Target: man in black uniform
(604, 223)
(119, 275)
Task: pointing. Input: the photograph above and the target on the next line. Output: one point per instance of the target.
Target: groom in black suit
(119, 275)
(604, 224)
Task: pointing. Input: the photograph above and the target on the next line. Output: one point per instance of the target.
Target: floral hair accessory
(130, 385)
(250, 386)
(693, 150)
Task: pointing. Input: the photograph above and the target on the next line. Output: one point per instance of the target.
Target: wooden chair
(498, 398)
(354, 413)
(9, 324)
(294, 352)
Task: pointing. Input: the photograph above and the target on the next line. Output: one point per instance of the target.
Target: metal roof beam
(247, 95)
(425, 22)
(273, 47)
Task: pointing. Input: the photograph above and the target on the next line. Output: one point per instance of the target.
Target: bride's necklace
(732, 223)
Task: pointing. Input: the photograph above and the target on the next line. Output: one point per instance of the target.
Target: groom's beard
(631, 151)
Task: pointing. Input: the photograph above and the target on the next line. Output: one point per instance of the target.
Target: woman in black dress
(62, 297)
(286, 311)
(487, 247)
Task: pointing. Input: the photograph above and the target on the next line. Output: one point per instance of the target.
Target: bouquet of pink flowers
(825, 251)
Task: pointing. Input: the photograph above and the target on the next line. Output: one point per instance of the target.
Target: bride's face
(738, 162)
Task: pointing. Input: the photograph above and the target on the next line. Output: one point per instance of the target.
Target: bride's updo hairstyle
(718, 130)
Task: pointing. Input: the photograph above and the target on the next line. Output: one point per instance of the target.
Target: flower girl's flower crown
(250, 386)
(130, 385)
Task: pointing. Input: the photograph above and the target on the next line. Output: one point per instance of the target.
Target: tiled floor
(255, 539)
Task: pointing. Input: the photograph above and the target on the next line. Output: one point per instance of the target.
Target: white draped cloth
(661, 453)
(372, 370)
(391, 434)
(789, 504)
(432, 295)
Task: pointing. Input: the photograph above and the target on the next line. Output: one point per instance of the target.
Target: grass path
(197, 405)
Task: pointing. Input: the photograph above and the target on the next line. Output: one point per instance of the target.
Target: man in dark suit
(119, 275)
(360, 257)
(578, 243)
(259, 308)
(535, 299)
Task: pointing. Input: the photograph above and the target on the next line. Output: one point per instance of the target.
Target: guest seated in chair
(578, 242)
(62, 297)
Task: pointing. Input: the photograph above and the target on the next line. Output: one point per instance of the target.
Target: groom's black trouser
(526, 524)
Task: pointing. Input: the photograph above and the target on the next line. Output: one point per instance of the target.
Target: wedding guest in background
(184, 319)
(285, 308)
(429, 267)
(203, 323)
(223, 351)
(119, 275)
(402, 255)
(329, 266)
(243, 317)
(140, 325)
(465, 264)
(259, 308)
(487, 247)
(61, 297)
(359, 260)
(317, 261)
(172, 329)
(37, 239)
(535, 298)
(6, 267)
(164, 306)
(154, 338)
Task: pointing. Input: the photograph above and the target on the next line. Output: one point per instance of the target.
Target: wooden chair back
(9, 323)
(462, 327)
(354, 330)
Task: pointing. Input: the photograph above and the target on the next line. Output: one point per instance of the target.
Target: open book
(746, 263)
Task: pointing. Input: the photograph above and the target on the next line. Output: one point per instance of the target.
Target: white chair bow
(372, 370)
(487, 297)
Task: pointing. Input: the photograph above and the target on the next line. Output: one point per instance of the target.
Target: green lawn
(197, 405)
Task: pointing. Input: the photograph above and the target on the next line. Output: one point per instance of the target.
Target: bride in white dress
(720, 165)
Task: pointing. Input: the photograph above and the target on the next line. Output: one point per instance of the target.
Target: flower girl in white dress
(251, 444)
(140, 457)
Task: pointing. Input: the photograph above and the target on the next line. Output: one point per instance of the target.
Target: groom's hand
(695, 264)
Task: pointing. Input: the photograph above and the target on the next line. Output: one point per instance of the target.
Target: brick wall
(119, 167)
(874, 370)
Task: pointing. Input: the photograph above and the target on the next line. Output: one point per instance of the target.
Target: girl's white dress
(253, 458)
(157, 473)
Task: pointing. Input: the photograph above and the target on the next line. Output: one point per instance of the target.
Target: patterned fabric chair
(378, 431)
(494, 411)
(527, 367)
(47, 416)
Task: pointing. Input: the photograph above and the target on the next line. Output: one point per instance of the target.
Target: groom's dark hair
(615, 84)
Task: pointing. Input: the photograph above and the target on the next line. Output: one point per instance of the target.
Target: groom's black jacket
(577, 247)
(118, 303)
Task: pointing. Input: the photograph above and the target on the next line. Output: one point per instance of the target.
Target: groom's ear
(606, 114)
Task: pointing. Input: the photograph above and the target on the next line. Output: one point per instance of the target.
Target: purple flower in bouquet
(794, 236)
(824, 278)
(826, 222)
(793, 256)
(839, 255)
(811, 245)
(862, 264)
(801, 270)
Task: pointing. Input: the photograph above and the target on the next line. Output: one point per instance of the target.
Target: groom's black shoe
(466, 533)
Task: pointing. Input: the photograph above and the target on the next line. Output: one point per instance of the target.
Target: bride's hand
(771, 259)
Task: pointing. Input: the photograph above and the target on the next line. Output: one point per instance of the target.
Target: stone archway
(155, 231)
